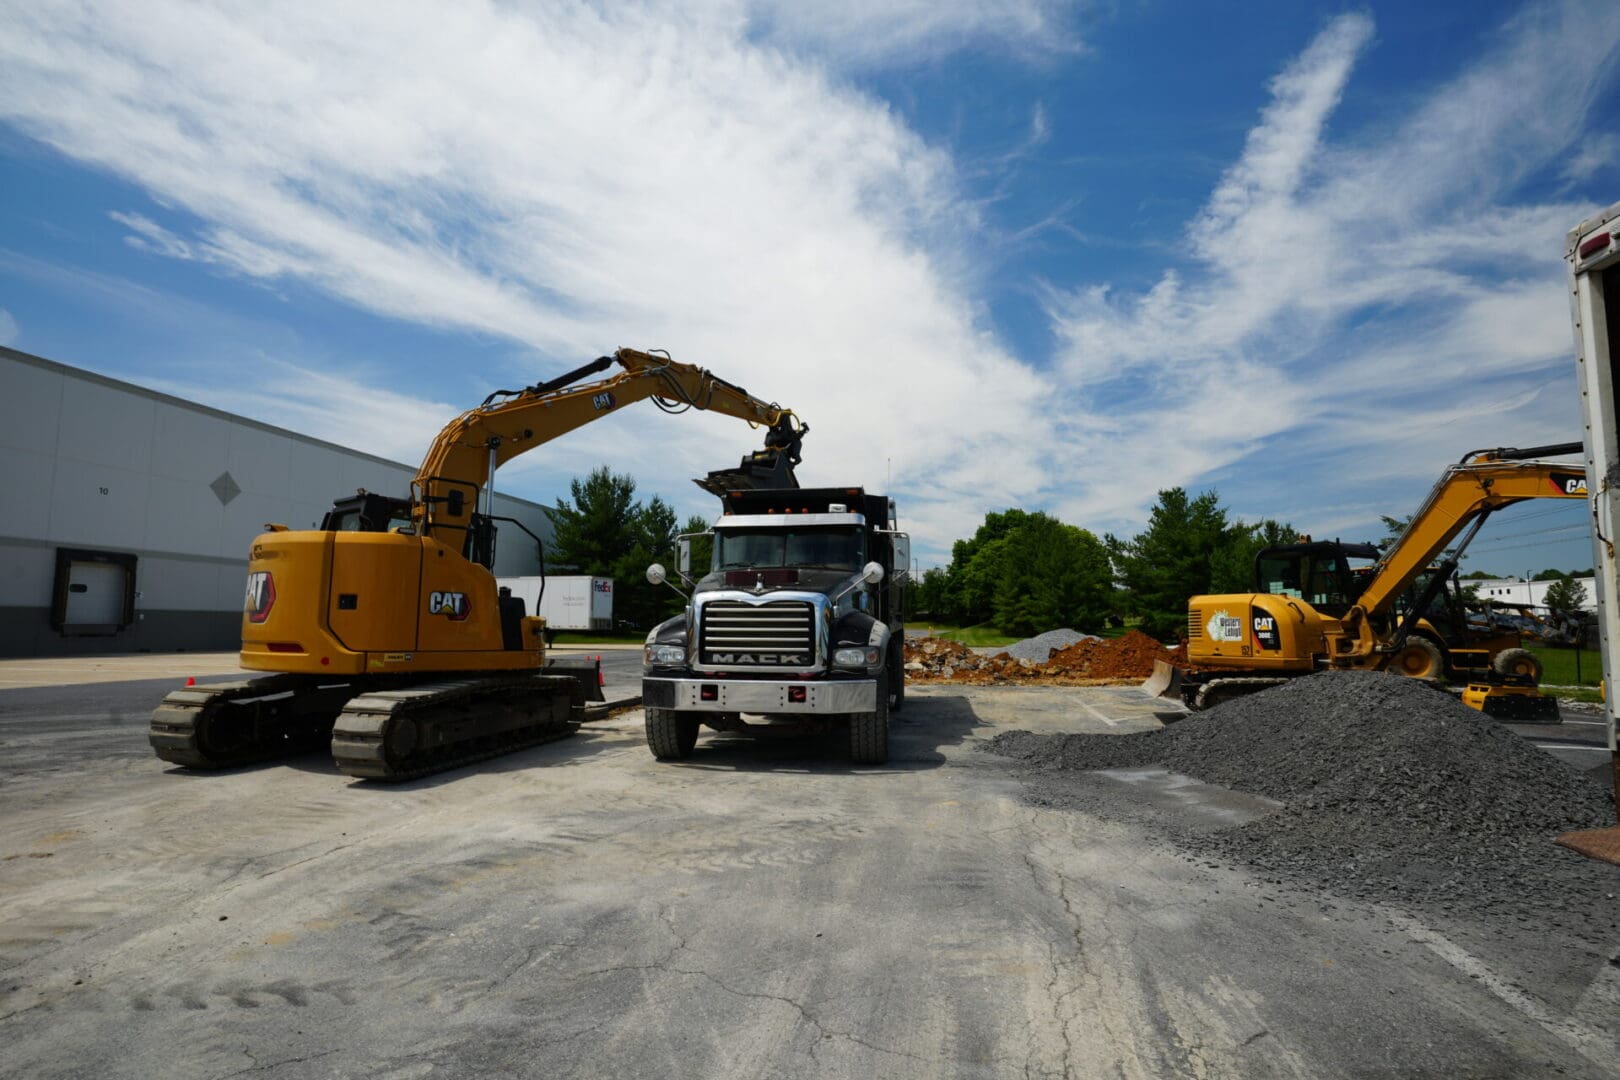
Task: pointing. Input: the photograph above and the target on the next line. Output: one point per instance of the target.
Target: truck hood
(798, 579)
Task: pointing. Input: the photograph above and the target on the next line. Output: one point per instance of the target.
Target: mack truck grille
(779, 634)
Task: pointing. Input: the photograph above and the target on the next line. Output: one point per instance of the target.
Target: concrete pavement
(579, 910)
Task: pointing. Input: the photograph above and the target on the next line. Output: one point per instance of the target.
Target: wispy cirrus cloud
(1352, 313)
(706, 178)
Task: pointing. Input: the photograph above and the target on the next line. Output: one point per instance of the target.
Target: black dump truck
(794, 628)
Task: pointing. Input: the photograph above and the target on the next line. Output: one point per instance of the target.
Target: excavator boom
(460, 464)
(1483, 482)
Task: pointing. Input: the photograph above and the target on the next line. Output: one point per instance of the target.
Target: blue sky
(1006, 252)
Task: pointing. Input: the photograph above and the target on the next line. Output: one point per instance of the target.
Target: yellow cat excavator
(385, 627)
(1316, 613)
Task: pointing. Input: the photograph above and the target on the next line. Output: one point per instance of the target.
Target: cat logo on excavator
(453, 605)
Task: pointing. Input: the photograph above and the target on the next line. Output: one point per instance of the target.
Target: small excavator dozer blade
(1515, 699)
(1165, 681)
(587, 672)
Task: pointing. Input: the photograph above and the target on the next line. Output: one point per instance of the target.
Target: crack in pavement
(256, 1067)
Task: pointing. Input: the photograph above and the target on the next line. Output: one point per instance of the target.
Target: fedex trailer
(566, 603)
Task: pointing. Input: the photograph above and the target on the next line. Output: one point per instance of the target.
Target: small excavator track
(1216, 691)
(401, 734)
(239, 723)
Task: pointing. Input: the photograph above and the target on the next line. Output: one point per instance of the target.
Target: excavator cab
(366, 511)
(1327, 574)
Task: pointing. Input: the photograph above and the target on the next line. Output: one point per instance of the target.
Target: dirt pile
(1127, 657)
(1124, 659)
(1391, 790)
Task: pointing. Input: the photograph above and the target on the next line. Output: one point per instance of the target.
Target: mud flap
(588, 673)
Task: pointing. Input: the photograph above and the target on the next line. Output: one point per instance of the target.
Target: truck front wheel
(670, 735)
(869, 731)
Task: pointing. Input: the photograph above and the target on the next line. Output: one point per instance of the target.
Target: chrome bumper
(756, 696)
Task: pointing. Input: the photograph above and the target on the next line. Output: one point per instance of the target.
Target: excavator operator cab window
(368, 513)
(1323, 575)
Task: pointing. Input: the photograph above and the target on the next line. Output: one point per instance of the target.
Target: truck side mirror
(683, 556)
(902, 557)
(656, 574)
(872, 573)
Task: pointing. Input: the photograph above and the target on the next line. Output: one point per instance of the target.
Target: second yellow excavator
(385, 628)
(1316, 612)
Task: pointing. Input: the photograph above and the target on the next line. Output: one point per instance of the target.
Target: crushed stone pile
(1391, 791)
(1086, 660)
(1041, 647)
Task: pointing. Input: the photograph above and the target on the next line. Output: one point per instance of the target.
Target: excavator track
(404, 733)
(1216, 691)
(240, 723)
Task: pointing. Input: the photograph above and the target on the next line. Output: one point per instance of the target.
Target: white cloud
(8, 327)
(572, 179)
(864, 32)
(1353, 315)
(703, 177)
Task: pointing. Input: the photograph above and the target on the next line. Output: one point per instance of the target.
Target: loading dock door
(95, 592)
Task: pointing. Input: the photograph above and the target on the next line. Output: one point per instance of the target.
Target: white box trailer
(567, 603)
(1593, 254)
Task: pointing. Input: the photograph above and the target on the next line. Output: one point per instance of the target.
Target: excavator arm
(1464, 498)
(457, 470)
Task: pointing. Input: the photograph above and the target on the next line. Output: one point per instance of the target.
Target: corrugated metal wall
(91, 463)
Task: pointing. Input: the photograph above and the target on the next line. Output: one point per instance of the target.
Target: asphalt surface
(760, 910)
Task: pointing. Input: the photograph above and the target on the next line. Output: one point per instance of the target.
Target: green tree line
(1024, 572)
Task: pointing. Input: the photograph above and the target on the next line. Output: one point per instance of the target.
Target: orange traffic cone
(191, 680)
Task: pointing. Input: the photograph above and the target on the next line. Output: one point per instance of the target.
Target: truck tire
(1517, 662)
(897, 677)
(670, 735)
(869, 731)
(1419, 658)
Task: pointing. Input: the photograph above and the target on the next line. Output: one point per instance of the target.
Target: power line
(1533, 532)
(1533, 543)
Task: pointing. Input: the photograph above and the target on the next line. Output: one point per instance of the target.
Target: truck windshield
(829, 548)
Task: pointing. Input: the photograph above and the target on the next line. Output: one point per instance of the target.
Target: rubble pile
(1390, 791)
(1041, 647)
(1088, 660)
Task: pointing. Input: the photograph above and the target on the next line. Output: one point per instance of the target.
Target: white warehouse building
(130, 512)
(1532, 593)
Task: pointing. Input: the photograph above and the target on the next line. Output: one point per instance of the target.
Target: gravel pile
(1040, 647)
(1391, 791)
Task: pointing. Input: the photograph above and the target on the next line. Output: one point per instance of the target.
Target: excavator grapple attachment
(767, 469)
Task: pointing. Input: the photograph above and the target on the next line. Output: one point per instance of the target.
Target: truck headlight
(664, 655)
(861, 657)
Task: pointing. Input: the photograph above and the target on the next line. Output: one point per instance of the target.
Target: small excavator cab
(366, 511)
(1325, 574)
